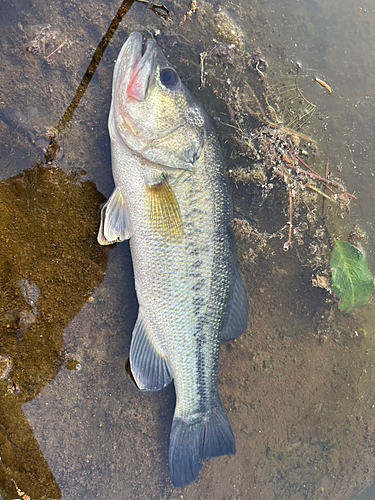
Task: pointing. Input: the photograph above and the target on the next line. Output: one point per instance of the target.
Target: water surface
(298, 385)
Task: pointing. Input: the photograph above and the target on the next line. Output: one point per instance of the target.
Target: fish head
(152, 112)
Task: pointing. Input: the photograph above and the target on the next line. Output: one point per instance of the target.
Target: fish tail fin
(218, 435)
(198, 437)
(185, 450)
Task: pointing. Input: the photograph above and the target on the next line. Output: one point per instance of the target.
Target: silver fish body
(172, 200)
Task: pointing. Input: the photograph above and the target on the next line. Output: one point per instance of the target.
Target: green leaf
(352, 280)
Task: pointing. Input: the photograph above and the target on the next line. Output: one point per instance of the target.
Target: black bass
(171, 199)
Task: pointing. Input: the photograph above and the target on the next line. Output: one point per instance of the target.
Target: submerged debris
(294, 109)
(21, 493)
(276, 153)
(321, 282)
(41, 39)
(5, 367)
(227, 29)
(31, 293)
(259, 63)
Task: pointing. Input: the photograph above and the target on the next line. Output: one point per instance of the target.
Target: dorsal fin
(239, 310)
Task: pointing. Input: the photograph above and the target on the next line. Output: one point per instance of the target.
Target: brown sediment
(48, 225)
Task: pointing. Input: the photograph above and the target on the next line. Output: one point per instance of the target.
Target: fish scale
(173, 202)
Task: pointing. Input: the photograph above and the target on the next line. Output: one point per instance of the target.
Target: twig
(350, 152)
(290, 131)
(324, 191)
(256, 100)
(202, 56)
(163, 11)
(273, 111)
(290, 225)
(259, 71)
(303, 163)
(322, 179)
(351, 195)
(290, 212)
(324, 182)
(300, 93)
(11, 442)
(312, 173)
(277, 125)
(231, 126)
(59, 47)
(261, 119)
(321, 193)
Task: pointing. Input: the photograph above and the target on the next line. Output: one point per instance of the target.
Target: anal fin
(114, 220)
(148, 365)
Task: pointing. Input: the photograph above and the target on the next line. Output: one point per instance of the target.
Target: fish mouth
(141, 66)
(134, 70)
(134, 75)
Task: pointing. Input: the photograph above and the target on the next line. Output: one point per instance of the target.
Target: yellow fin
(163, 210)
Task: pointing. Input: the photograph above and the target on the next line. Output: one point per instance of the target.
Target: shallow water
(298, 385)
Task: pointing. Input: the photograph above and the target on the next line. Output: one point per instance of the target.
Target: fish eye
(168, 78)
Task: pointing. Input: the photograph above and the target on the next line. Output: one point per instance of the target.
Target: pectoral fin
(149, 367)
(163, 210)
(114, 222)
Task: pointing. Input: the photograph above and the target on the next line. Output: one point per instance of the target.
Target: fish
(173, 202)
